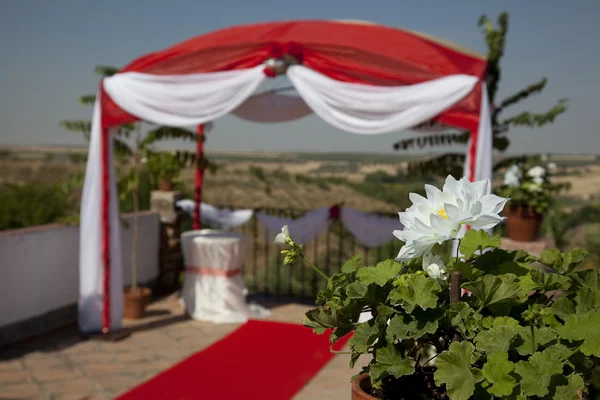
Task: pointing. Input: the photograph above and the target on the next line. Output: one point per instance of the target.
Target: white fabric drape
(484, 147)
(272, 108)
(367, 109)
(183, 100)
(371, 230)
(217, 217)
(91, 268)
(302, 230)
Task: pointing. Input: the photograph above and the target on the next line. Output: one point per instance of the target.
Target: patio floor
(62, 365)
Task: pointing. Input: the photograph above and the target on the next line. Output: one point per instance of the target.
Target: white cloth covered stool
(213, 289)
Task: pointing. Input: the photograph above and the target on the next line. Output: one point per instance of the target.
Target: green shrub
(35, 203)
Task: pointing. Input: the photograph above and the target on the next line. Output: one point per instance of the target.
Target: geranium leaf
(464, 319)
(512, 267)
(563, 308)
(352, 265)
(364, 336)
(583, 327)
(550, 281)
(320, 319)
(538, 371)
(492, 322)
(492, 289)
(397, 365)
(587, 299)
(497, 371)
(467, 270)
(526, 284)
(455, 371)
(572, 390)
(389, 361)
(551, 258)
(418, 291)
(385, 310)
(573, 259)
(356, 290)
(477, 240)
(380, 274)
(495, 339)
(414, 326)
(524, 343)
(563, 262)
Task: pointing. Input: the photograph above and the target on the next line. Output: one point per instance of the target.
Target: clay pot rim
(358, 387)
(142, 291)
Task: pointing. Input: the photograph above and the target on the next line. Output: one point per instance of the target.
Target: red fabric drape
(350, 52)
(199, 175)
(105, 212)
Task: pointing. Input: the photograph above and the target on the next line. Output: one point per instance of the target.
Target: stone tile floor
(63, 365)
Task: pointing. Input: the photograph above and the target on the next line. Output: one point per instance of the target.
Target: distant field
(286, 179)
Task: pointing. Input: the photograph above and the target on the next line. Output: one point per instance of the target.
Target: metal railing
(265, 274)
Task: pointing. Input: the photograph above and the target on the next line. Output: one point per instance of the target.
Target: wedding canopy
(359, 77)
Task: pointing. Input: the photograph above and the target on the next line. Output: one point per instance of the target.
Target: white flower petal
(431, 191)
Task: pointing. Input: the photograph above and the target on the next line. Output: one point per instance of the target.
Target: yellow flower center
(442, 213)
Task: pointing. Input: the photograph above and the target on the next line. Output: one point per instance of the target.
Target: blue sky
(48, 49)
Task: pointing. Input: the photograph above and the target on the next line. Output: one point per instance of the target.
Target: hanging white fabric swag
(303, 230)
(371, 230)
(185, 100)
(216, 217)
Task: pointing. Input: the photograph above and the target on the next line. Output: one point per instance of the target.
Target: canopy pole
(199, 175)
(105, 212)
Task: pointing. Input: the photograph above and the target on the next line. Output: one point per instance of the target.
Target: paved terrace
(63, 365)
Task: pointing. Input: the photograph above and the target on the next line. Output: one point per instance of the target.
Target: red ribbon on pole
(199, 175)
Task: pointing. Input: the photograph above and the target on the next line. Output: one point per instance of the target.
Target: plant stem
(136, 206)
(458, 251)
(317, 270)
(533, 338)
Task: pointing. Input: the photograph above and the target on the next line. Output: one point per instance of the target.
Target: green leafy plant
(529, 184)
(163, 165)
(36, 203)
(452, 163)
(523, 332)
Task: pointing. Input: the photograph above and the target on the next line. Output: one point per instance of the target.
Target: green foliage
(533, 192)
(522, 333)
(450, 163)
(163, 166)
(35, 203)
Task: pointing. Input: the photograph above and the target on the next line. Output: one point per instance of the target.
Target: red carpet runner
(260, 360)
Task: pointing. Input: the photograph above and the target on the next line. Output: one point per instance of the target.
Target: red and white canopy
(360, 77)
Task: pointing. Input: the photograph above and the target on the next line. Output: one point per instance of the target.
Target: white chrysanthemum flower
(441, 215)
(552, 166)
(282, 238)
(434, 266)
(513, 176)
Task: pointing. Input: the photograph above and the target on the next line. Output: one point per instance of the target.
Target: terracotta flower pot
(360, 388)
(135, 303)
(166, 185)
(523, 223)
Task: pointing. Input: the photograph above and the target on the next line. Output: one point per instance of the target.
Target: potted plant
(531, 189)
(484, 323)
(136, 298)
(164, 169)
